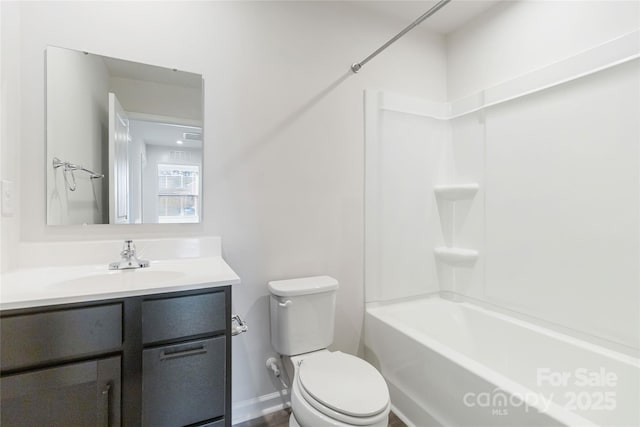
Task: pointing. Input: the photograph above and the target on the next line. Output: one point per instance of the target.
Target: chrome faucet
(129, 258)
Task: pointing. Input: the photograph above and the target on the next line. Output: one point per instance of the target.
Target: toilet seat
(362, 397)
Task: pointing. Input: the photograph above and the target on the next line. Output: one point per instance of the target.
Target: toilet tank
(302, 314)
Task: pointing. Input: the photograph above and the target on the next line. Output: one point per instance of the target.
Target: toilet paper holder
(238, 325)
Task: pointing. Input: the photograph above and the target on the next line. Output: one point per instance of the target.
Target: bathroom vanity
(152, 360)
(127, 352)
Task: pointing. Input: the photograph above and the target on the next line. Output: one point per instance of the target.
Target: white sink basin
(59, 285)
(139, 277)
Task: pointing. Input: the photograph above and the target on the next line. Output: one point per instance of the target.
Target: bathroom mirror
(124, 141)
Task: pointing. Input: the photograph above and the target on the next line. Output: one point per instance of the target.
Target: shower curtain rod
(355, 67)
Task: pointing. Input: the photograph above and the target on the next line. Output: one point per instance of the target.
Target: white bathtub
(457, 364)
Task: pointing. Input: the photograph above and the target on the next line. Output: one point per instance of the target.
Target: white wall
(10, 127)
(516, 37)
(159, 99)
(77, 131)
(283, 154)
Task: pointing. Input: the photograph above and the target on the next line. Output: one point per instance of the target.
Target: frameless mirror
(124, 141)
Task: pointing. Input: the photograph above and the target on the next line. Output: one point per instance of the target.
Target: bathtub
(457, 364)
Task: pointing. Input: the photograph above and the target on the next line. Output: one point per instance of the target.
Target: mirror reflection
(124, 141)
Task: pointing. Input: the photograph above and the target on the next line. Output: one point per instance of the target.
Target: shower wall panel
(468, 157)
(402, 214)
(562, 205)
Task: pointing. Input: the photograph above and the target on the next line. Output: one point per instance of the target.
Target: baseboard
(260, 406)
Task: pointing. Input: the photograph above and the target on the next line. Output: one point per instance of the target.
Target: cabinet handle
(106, 403)
(191, 352)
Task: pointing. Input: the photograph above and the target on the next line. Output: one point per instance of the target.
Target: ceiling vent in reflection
(192, 136)
(184, 156)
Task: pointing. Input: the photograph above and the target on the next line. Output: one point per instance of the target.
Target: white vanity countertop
(63, 285)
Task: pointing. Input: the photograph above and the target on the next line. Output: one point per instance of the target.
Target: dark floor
(281, 419)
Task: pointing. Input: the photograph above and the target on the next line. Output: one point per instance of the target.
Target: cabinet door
(183, 383)
(79, 394)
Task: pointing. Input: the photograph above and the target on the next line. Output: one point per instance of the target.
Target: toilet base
(293, 422)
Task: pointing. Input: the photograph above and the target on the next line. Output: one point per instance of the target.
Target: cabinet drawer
(171, 318)
(43, 337)
(184, 383)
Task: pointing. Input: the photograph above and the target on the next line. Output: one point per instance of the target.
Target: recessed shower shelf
(456, 191)
(456, 256)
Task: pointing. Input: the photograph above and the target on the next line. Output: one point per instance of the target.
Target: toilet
(327, 388)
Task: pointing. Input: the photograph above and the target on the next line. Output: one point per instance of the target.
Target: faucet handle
(129, 259)
(128, 248)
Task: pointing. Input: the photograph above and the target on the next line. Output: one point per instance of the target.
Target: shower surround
(523, 199)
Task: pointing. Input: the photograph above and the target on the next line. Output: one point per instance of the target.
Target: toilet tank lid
(303, 286)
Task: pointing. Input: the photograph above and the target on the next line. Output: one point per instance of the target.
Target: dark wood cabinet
(184, 354)
(154, 360)
(75, 394)
(195, 369)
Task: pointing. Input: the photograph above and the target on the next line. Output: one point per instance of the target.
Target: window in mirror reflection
(178, 191)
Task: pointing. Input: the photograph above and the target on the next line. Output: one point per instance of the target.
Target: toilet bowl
(337, 389)
(327, 388)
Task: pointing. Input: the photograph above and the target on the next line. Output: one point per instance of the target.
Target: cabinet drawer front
(43, 337)
(171, 318)
(183, 384)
